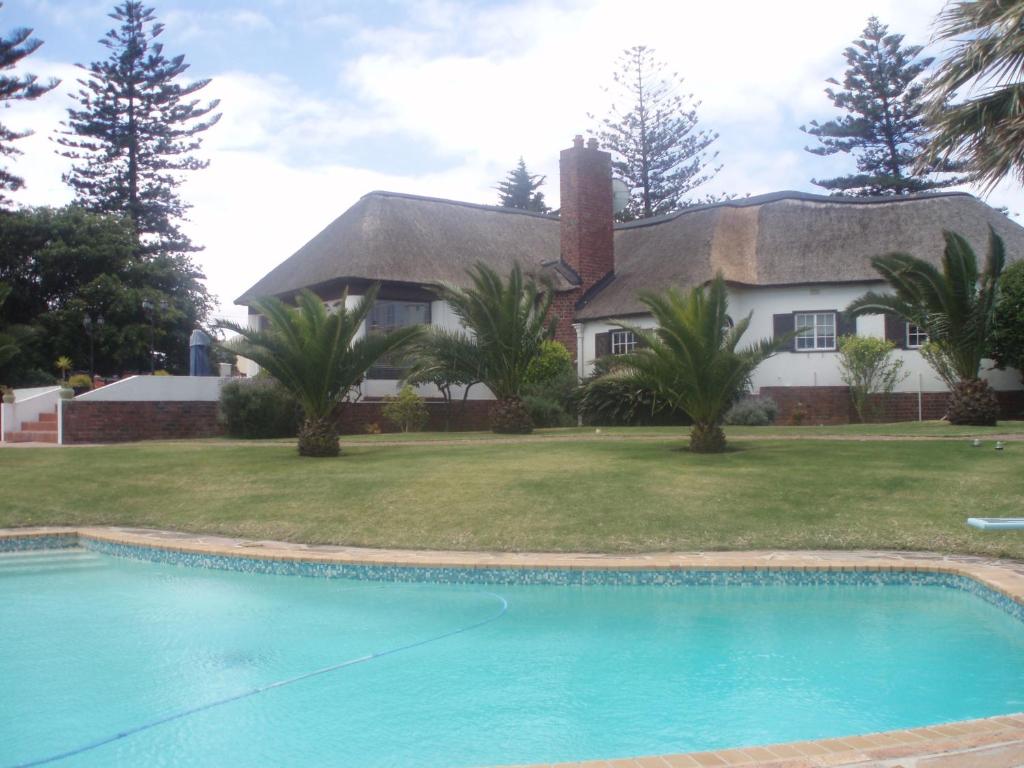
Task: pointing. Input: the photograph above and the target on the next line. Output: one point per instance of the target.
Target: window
(387, 316)
(623, 342)
(817, 330)
(916, 337)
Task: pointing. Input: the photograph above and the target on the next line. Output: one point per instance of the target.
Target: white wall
(594, 327)
(441, 316)
(789, 369)
(158, 388)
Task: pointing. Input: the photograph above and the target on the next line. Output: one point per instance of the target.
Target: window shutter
(896, 330)
(846, 325)
(783, 324)
(603, 344)
(640, 343)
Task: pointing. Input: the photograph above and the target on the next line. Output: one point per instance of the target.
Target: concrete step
(39, 426)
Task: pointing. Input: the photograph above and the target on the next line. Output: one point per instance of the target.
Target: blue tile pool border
(29, 542)
(497, 575)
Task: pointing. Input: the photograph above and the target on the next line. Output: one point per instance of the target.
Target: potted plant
(8, 394)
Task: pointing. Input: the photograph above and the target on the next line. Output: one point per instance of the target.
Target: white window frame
(916, 332)
(813, 325)
(622, 342)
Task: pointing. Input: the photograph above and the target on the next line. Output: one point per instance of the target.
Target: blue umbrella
(198, 354)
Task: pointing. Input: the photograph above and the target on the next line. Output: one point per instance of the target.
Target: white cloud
(477, 88)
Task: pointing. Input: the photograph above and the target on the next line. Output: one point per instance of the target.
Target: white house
(793, 259)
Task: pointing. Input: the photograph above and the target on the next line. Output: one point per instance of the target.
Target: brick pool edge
(994, 742)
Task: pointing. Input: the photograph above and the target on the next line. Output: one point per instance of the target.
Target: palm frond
(508, 320)
(955, 306)
(315, 353)
(984, 67)
(691, 359)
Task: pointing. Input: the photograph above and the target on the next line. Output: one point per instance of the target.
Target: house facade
(792, 259)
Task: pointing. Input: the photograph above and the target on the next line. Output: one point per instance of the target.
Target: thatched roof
(788, 238)
(784, 238)
(411, 239)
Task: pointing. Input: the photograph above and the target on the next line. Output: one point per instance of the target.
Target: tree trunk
(707, 438)
(509, 416)
(972, 402)
(318, 437)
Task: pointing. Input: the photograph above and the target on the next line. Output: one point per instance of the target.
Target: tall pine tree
(883, 125)
(136, 130)
(519, 189)
(659, 151)
(13, 48)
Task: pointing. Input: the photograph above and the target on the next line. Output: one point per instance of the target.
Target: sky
(326, 100)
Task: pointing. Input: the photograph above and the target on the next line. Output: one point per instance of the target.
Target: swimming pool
(468, 674)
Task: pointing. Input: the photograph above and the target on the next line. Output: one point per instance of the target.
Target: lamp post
(91, 328)
(150, 309)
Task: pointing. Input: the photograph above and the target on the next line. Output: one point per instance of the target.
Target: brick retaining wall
(122, 422)
(355, 417)
(832, 405)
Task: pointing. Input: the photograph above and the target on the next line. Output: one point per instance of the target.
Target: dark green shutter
(846, 325)
(603, 344)
(896, 330)
(783, 324)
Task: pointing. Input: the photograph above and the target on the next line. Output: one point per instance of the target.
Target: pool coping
(994, 741)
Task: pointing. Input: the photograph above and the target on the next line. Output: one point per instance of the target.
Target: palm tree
(508, 322)
(446, 359)
(986, 129)
(691, 359)
(315, 355)
(955, 307)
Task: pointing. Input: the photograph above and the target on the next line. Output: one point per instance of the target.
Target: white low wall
(139, 389)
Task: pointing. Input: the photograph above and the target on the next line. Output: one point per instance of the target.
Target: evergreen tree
(136, 131)
(13, 48)
(660, 153)
(519, 190)
(62, 265)
(883, 127)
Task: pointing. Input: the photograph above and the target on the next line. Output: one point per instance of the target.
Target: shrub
(407, 411)
(799, 414)
(80, 381)
(618, 400)
(867, 367)
(258, 408)
(752, 412)
(553, 362)
(545, 412)
(1008, 326)
(559, 389)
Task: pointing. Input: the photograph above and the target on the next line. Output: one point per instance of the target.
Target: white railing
(29, 405)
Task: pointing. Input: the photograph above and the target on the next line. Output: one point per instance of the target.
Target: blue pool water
(92, 646)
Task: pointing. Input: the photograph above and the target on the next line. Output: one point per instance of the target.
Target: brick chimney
(586, 227)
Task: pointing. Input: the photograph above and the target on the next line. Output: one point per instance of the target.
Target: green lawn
(591, 494)
(899, 429)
